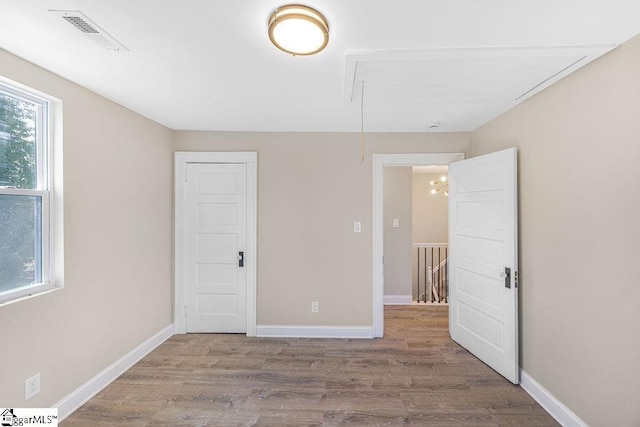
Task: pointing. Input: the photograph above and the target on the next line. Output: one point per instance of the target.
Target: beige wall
(312, 187)
(579, 196)
(430, 219)
(397, 189)
(118, 256)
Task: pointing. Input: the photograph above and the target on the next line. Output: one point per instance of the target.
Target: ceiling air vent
(89, 29)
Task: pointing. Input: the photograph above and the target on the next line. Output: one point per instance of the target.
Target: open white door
(483, 263)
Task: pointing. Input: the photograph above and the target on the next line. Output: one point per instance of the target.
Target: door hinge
(185, 311)
(515, 278)
(186, 173)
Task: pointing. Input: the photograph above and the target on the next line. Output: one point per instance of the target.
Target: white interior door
(216, 236)
(483, 293)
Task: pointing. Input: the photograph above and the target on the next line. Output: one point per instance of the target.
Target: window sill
(29, 296)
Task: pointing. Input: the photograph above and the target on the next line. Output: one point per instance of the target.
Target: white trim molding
(49, 188)
(398, 299)
(182, 158)
(92, 387)
(553, 406)
(285, 331)
(379, 163)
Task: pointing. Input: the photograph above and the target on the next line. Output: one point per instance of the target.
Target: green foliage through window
(20, 214)
(17, 143)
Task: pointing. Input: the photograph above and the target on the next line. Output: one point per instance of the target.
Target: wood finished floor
(415, 375)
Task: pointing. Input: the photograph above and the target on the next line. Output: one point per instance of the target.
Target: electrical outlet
(32, 386)
(315, 307)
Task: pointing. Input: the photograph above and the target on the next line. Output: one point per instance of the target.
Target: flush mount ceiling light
(298, 30)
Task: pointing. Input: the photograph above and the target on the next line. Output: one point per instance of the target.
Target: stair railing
(431, 281)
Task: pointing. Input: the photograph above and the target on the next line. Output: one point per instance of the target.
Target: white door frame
(181, 161)
(379, 162)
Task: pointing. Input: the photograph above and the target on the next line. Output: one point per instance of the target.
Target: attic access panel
(472, 84)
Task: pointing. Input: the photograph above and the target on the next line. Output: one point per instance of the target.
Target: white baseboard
(398, 299)
(314, 331)
(89, 389)
(553, 406)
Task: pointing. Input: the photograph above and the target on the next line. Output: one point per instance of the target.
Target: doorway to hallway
(415, 235)
(430, 248)
(483, 255)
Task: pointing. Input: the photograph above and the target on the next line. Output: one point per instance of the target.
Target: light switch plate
(396, 223)
(357, 227)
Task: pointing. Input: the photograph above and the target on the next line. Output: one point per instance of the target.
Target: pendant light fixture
(439, 185)
(298, 30)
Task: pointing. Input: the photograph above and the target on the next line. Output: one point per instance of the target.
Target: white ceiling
(454, 89)
(209, 65)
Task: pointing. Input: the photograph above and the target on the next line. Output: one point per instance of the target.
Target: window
(25, 194)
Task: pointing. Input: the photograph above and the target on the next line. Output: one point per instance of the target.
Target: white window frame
(48, 187)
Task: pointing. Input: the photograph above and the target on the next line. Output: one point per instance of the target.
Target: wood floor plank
(415, 375)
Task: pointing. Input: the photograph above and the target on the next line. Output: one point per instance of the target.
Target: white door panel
(483, 312)
(216, 231)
